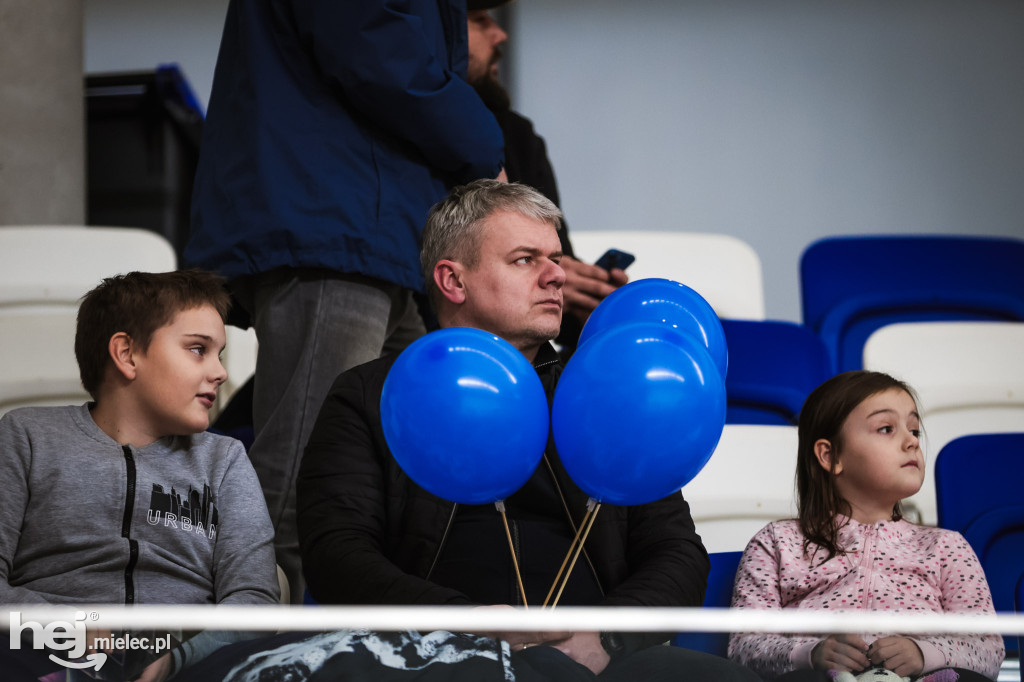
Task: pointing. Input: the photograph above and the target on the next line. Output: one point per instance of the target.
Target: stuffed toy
(869, 675)
(883, 675)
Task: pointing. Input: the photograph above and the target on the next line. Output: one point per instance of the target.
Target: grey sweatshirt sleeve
(15, 462)
(244, 567)
(204, 644)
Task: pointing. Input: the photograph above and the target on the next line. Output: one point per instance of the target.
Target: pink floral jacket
(890, 565)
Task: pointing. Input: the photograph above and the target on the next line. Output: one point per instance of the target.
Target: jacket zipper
(572, 523)
(868, 542)
(126, 526)
(444, 538)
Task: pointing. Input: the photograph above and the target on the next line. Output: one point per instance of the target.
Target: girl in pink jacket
(859, 454)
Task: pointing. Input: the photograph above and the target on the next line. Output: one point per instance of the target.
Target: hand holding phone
(587, 285)
(613, 258)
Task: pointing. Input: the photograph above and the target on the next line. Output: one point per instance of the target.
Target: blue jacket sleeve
(393, 61)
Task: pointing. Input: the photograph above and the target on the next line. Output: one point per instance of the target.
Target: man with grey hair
(370, 535)
(521, 304)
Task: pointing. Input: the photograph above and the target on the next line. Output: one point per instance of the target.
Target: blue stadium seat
(997, 537)
(851, 286)
(975, 474)
(977, 488)
(718, 594)
(773, 366)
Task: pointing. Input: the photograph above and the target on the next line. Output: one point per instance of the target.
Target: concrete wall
(42, 128)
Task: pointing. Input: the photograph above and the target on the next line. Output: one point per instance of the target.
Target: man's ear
(122, 353)
(448, 279)
(826, 454)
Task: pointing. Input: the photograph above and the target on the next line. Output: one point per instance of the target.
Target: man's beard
(491, 91)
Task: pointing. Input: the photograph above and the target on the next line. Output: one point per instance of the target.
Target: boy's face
(179, 374)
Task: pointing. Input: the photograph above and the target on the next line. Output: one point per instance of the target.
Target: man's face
(515, 288)
(485, 39)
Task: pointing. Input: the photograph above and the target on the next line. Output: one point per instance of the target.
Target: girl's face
(881, 460)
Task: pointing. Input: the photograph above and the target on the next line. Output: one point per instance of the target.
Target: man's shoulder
(514, 118)
(369, 377)
(359, 387)
(517, 129)
(368, 374)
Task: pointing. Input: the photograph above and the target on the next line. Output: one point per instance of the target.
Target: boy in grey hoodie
(127, 498)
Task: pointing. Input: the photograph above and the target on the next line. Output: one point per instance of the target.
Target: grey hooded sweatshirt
(86, 520)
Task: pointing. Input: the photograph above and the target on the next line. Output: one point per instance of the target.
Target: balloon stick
(500, 506)
(592, 505)
(579, 549)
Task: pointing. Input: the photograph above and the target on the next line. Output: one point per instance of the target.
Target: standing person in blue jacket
(332, 129)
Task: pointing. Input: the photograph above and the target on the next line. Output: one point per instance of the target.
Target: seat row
(851, 287)
(969, 375)
(849, 290)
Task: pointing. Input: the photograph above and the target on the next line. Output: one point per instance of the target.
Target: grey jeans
(311, 326)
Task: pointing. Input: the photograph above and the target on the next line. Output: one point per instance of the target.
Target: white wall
(777, 121)
(138, 35)
(780, 121)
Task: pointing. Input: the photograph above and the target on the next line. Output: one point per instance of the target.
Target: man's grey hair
(453, 230)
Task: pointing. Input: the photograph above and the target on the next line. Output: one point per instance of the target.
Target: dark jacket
(370, 535)
(333, 127)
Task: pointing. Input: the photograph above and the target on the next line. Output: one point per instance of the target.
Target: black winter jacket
(370, 535)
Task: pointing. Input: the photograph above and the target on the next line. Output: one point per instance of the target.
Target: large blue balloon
(637, 413)
(465, 415)
(664, 302)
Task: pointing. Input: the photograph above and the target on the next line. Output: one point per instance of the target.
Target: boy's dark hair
(822, 417)
(138, 303)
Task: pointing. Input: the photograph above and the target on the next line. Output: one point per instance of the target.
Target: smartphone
(613, 258)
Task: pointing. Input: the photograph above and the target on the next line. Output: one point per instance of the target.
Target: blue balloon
(664, 302)
(637, 413)
(465, 415)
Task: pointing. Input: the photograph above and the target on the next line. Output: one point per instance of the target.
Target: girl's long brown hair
(822, 417)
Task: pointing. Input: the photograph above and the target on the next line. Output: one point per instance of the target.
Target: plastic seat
(53, 264)
(977, 484)
(976, 474)
(773, 366)
(723, 269)
(240, 362)
(44, 271)
(997, 537)
(969, 377)
(721, 579)
(853, 285)
(748, 482)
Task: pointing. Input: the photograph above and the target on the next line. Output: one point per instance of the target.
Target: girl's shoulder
(927, 536)
(784, 527)
(784, 532)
